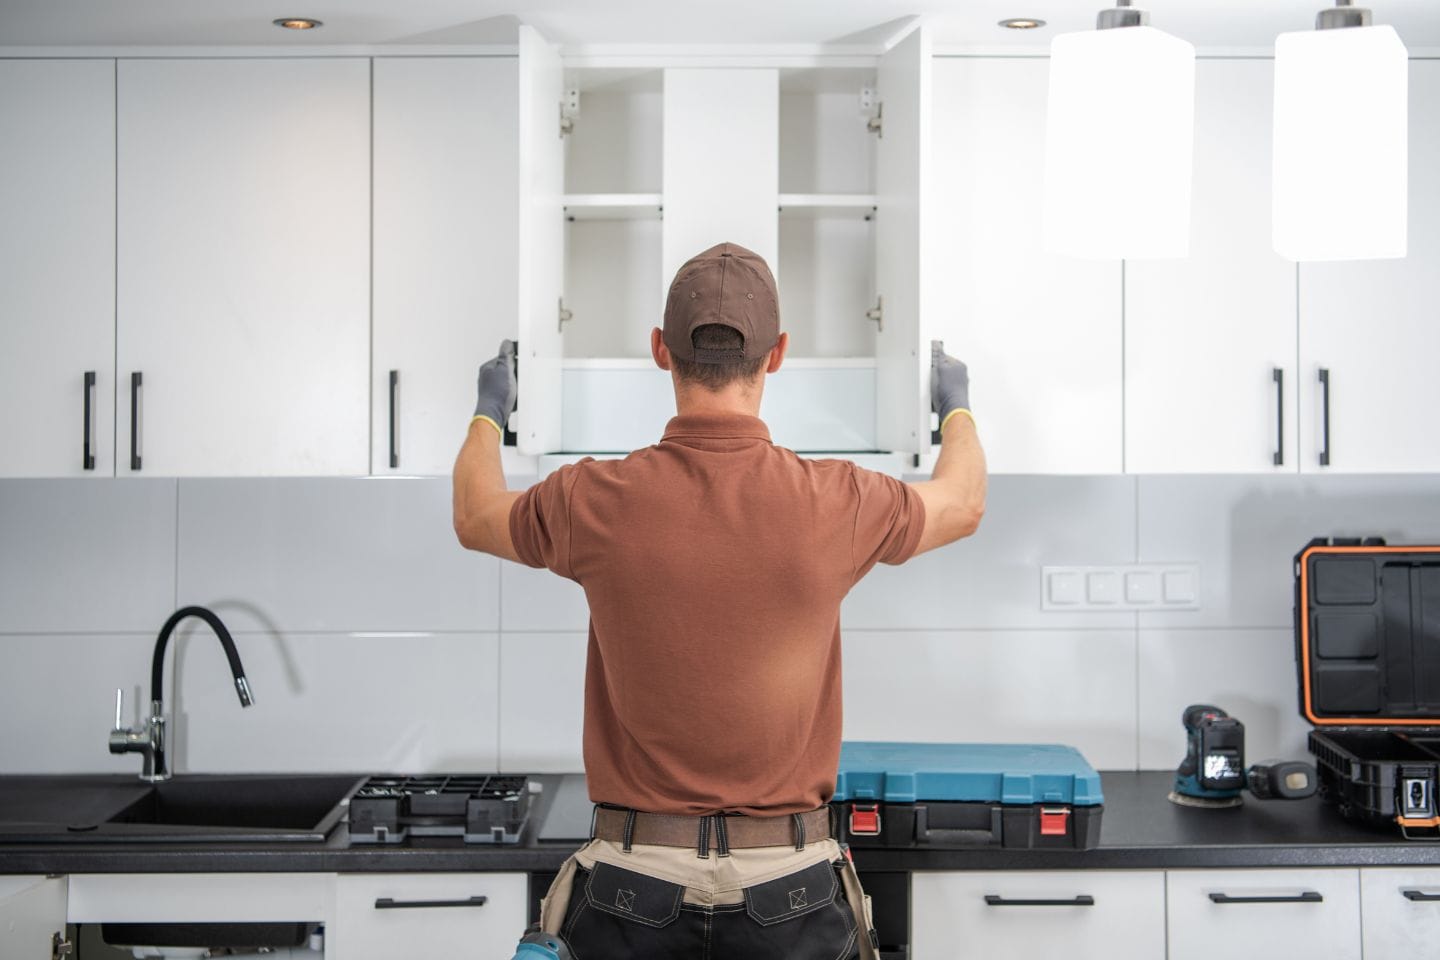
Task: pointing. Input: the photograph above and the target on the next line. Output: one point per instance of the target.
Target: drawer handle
(1278, 375)
(1309, 896)
(1084, 900)
(389, 903)
(394, 389)
(135, 382)
(1325, 417)
(1419, 897)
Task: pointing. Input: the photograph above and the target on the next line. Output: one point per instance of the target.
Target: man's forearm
(481, 502)
(954, 496)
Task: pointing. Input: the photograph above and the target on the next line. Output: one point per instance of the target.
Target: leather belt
(720, 832)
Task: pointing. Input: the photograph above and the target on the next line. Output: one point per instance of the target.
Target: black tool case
(1367, 654)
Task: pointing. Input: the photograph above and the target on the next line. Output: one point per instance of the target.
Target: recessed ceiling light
(1022, 23)
(297, 23)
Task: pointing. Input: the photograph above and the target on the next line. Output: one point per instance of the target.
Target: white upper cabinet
(1210, 339)
(243, 316)
(1372, 329)
(1040, 333)
(445, 220)
(658, 163)
(57, 267)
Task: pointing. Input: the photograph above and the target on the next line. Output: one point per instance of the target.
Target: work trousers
(672, 903)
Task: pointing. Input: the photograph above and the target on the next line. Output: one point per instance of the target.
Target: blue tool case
(948, 795)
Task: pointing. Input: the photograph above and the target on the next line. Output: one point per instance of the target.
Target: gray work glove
(496, 386)
(949, 382)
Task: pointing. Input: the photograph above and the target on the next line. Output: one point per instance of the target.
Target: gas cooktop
(476, 808)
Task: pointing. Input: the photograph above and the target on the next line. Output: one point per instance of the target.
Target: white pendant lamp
(1341, 139)
(1119, 137)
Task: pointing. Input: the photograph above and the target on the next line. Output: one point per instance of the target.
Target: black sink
(191, 808)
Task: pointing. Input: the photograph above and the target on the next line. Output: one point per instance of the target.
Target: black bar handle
(1309, 896)
(1279, 377)
(89, 456)
(135, 382)
(1083, 900)
(1325, 417)
(1418, 897)
(394, 389)
(389, 903)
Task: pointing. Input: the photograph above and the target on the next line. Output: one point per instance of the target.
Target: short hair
(715, 376)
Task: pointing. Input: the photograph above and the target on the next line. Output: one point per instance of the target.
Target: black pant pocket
(801, 916)
(617, 914)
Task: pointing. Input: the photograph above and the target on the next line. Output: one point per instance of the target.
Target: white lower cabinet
(1313, 914)
(387, 915)
(1401, 910)
(1116, 915)
(32, 914)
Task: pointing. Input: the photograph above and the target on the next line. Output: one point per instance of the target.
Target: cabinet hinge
(60, 947)
(872, 109)
(877, 313)
(565, 316)
(569, 110)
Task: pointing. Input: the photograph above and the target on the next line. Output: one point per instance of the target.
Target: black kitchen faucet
(149, 741)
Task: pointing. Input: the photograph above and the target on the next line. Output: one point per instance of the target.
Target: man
(714, 564)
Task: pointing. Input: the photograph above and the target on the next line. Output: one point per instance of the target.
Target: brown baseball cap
(728, 285)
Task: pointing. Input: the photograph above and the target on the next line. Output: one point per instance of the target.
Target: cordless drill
(1213, 772)
(536, 945)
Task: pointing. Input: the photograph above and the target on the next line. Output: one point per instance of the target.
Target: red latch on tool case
(1054, 821)
(865, 819)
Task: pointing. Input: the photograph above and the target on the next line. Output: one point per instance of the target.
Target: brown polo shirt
(714, 564)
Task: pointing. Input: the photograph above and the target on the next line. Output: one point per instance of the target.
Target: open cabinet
(629, 170)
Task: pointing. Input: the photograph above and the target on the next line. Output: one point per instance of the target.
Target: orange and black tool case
(1367, 653)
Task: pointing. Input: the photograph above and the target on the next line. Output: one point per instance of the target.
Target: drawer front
(1400, 911)
(200, 897)
(1313, 914)
(1115, 915)
(384, 916)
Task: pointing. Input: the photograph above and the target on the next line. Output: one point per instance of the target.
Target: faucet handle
(119, 707)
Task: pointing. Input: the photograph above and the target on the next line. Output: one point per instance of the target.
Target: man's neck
(741, 399)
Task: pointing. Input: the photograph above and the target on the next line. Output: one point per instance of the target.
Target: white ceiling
(1209, 24)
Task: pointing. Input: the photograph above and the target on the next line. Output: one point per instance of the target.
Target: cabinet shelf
(807, 206)
(612, 206)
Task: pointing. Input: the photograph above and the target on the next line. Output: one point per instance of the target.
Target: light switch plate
(1141, 586)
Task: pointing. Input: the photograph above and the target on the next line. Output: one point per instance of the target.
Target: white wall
(374, 642)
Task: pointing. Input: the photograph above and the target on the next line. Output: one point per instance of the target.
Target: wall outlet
(1141, 586)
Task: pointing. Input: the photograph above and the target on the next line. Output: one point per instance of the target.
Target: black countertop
(1140, 829)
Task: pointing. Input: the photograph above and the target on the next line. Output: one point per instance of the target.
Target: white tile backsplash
(1008, 686)
(332, 555)
(57, 700)
(374, 641)
(542, 707)
(992, 580)
(1250, 674)
(1245, 532)
(391, 703)
(83, 556)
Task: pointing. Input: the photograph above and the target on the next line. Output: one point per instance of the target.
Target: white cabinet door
(57, 267)
(721, 164)
(201, 897)
(1401, 911)
(541, 247)
(1113, 915)
(244, 266)
(32, 912)
(902, 199)
(1041, 333)
(1373, 328)
(1313, 914)
(445, 255)
(1210, 339)
(384, 916)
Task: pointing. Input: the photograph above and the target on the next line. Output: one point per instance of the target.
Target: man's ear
(777, 353)
(658, 350)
